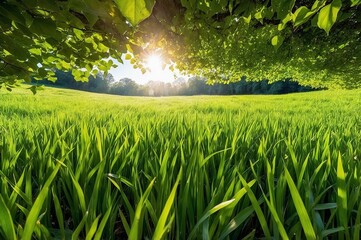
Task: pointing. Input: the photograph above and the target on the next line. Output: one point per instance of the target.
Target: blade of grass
(79, 192)
(208, 214)
(124, 222)
(300, 208)
(92, 229)
(302, 171)
(6, 222)
(80, 227)
(327, 232)
(102, 224)
(250, 235)
(241, 217)
(356, 232)
(36, 208)
(59, 214)
(257, 208)
(342, 196)
(135, 230)
(159, 229)
(280, 227)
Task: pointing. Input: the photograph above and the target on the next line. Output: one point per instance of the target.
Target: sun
(154, 63)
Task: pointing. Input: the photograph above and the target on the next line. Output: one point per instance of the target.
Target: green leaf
(65, 65)
(282, 7)
(91, 17)
(45, 27)
(12, 12)
(48, 4)
(135, 11)
(247, 19)
(76, 22)
(355, 2)
(18, 51)
(103, 48)
(277, 41)
(110, 63)
(260, 15)
(78, 33)
(34, 89)
(318, 4)
(42, 72)
(314, 21)
(6, 222)
(328, 15)
(302, 15)
(36, 51)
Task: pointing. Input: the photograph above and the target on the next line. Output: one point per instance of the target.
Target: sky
(156, 73)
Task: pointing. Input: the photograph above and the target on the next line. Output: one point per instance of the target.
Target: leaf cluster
(315, 42)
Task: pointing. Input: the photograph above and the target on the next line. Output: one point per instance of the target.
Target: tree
(100, 83)
(124, 86)
(197, 85)
(312, 41)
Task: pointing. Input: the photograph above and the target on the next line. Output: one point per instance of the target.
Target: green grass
(91, 166)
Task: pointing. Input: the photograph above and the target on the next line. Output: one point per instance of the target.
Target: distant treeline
(194, 86)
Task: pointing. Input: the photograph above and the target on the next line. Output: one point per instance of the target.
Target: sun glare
(154, 64)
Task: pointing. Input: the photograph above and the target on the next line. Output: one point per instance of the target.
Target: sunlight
(154, 64)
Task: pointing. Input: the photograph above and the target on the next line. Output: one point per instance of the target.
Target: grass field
(76, 165)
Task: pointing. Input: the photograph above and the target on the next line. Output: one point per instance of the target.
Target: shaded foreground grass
(90, 166)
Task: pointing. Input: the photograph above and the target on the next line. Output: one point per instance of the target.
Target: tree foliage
(315, 42)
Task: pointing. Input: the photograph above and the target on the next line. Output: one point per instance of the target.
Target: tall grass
(77, 165)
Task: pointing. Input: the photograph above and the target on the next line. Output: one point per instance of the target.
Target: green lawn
(93, 166)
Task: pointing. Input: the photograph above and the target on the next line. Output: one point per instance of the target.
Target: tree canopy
(315, 42)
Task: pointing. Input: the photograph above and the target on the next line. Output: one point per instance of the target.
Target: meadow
(76, 165)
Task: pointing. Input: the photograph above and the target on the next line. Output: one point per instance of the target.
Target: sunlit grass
(91, 166)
